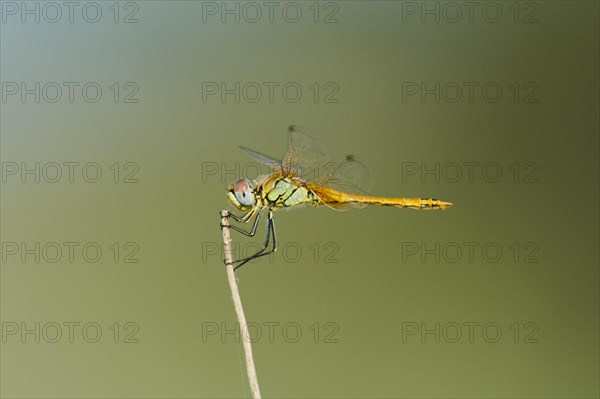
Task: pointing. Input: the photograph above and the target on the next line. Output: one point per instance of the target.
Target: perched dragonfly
(346, 185)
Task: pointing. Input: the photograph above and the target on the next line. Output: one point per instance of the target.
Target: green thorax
(283, 192)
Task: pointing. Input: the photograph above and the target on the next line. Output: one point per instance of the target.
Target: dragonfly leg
(242, 219)
(245, 219)
(263, 251)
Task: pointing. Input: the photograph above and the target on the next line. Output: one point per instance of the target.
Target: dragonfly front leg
(245, 219)
(263, 251)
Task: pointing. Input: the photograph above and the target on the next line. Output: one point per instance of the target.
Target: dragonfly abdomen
(336, 199)
(413, 203)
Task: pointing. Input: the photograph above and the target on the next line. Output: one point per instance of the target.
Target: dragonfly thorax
(282, 192)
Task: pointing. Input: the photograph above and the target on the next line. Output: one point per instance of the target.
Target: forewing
(266, 160)
(304, 155)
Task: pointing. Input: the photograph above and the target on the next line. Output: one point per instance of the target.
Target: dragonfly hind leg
(265, 249)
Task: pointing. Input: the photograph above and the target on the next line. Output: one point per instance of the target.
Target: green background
(361, 279)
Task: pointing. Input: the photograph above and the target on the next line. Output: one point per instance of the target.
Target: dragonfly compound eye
(243, 192)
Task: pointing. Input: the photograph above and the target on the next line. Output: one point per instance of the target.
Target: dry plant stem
(237, 303)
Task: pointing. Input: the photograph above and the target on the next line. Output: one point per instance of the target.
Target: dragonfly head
(241, 195)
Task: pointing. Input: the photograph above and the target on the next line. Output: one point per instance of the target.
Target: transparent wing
(266, 160)
(304, 155)
(349, 176)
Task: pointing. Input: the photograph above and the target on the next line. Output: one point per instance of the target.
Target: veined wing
(266, 160)
(304, 154)
(348, 177)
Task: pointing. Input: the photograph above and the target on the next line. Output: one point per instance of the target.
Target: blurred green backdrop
(373, 303)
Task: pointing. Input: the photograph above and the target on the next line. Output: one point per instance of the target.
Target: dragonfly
(304, 176)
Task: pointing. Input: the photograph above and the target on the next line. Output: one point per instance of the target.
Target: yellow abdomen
(335, 198)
